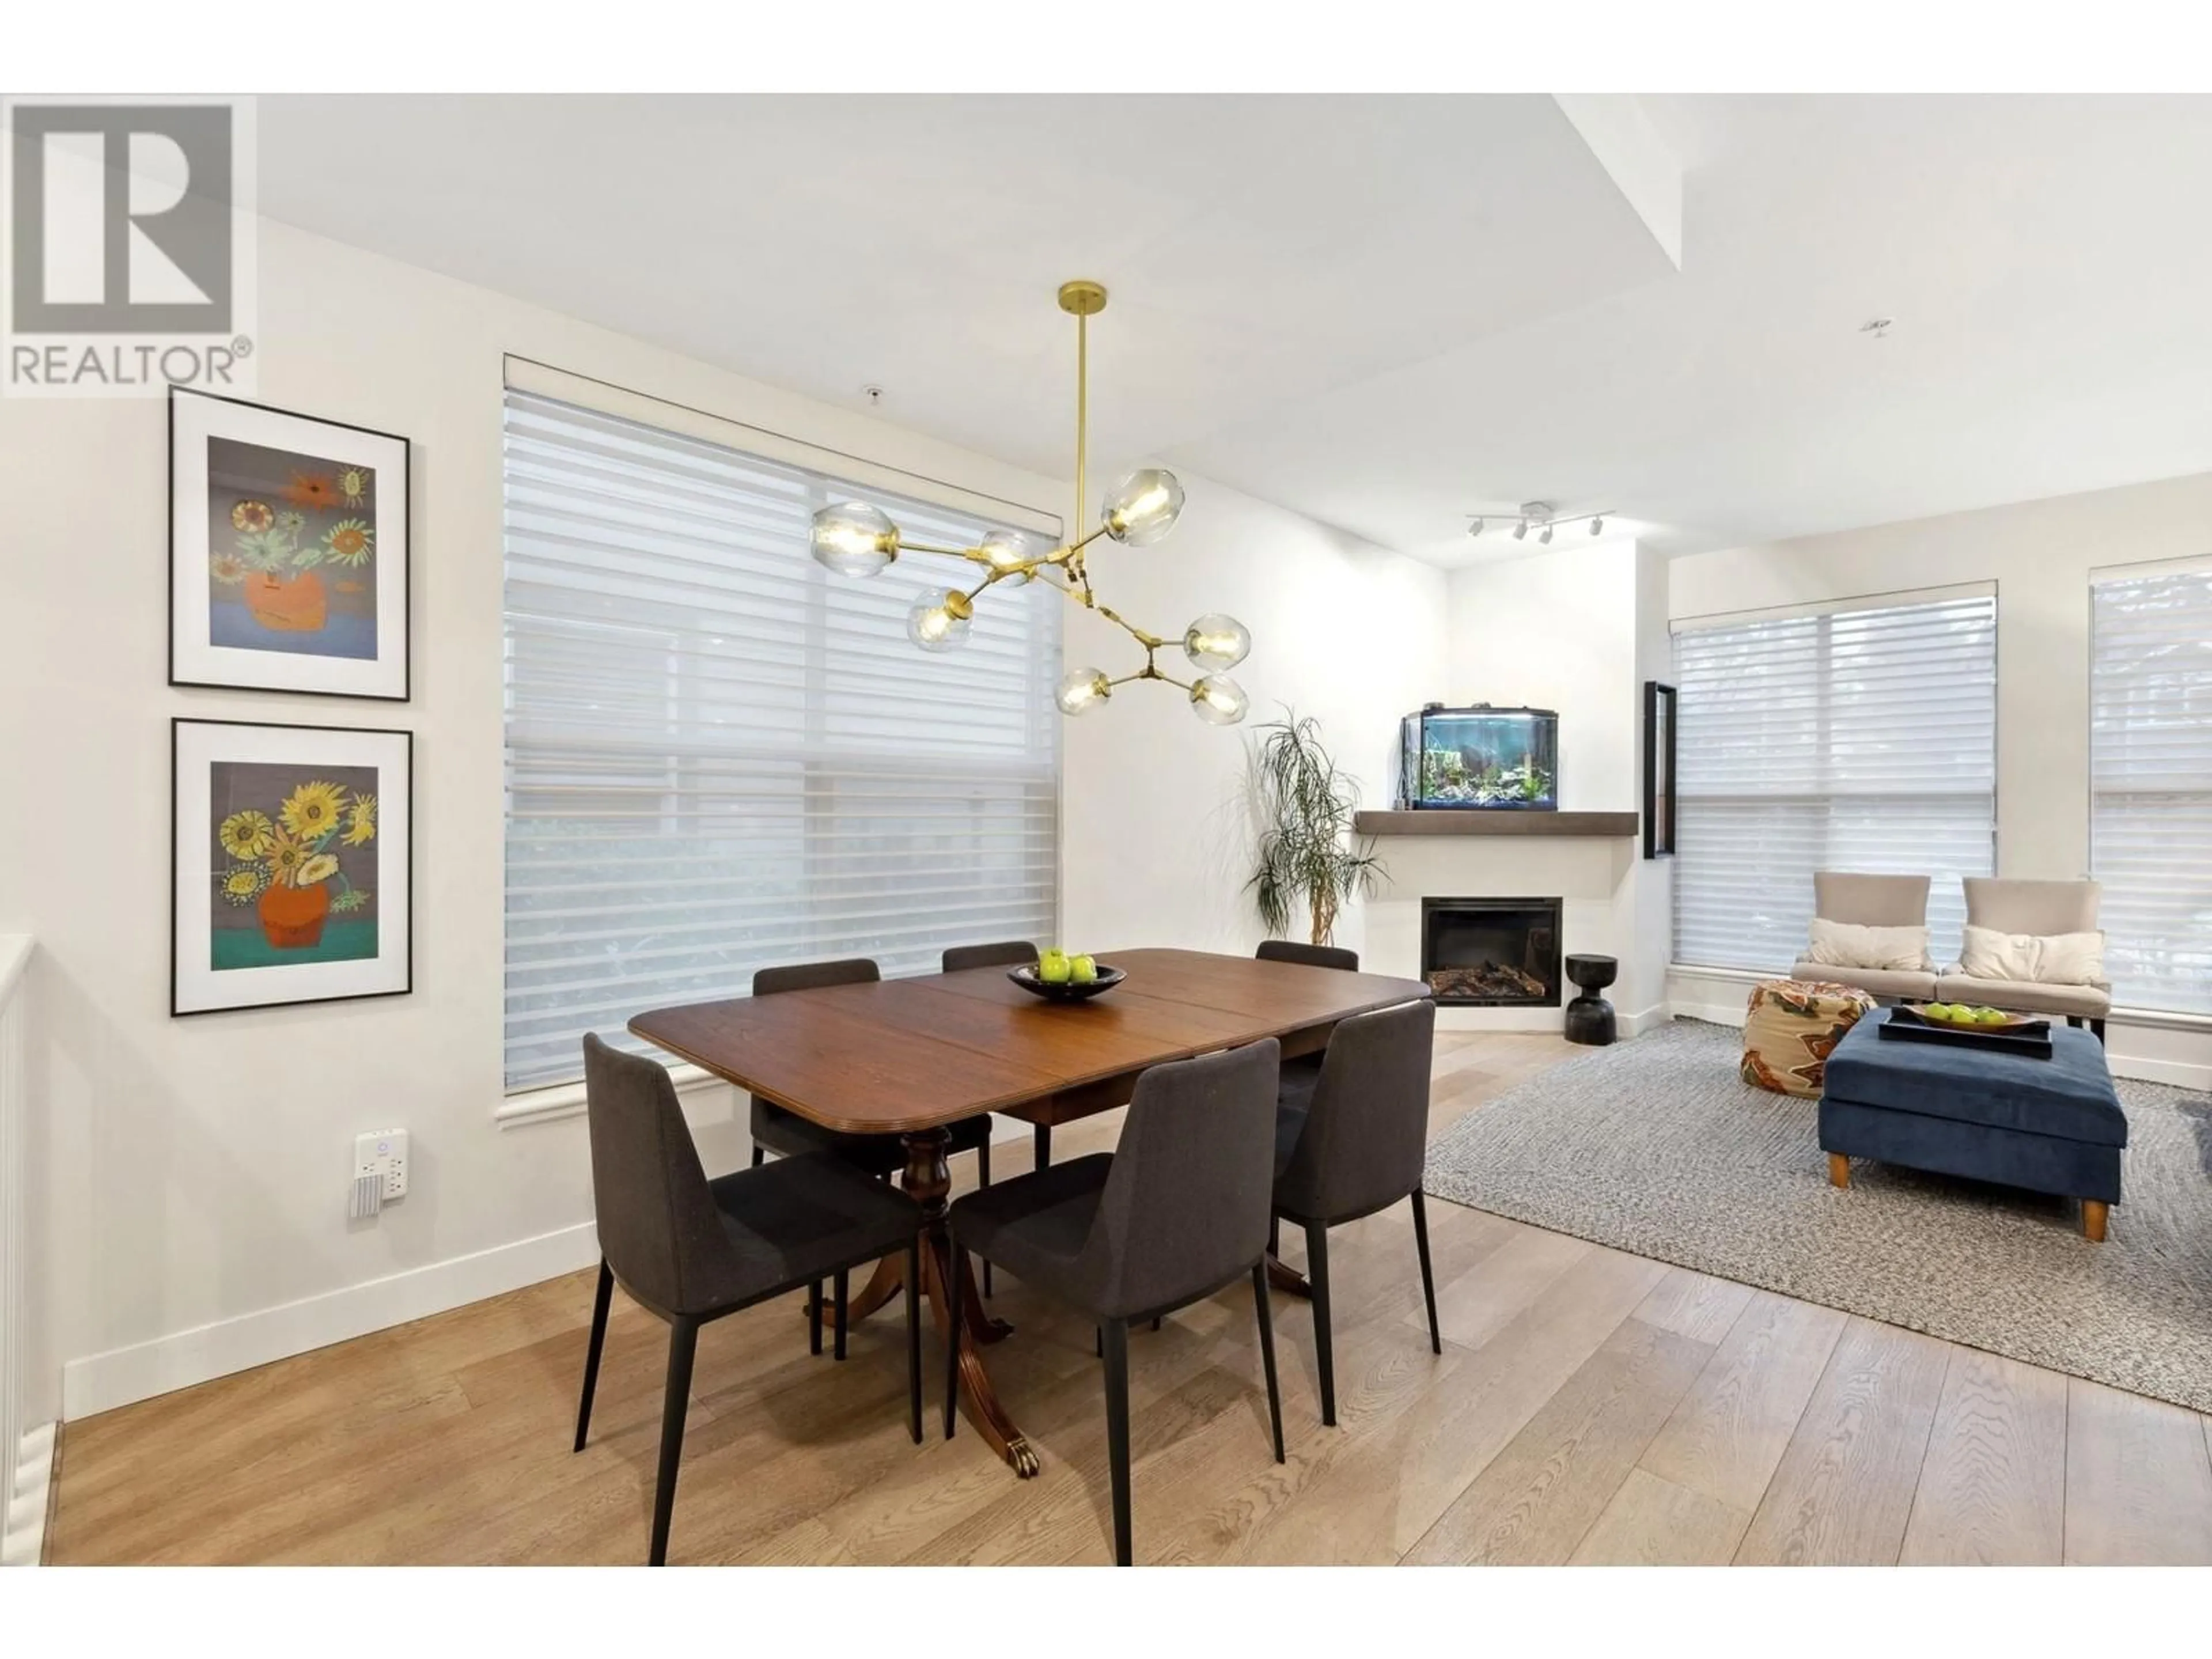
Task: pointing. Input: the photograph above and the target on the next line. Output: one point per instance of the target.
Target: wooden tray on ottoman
(2021, 1034)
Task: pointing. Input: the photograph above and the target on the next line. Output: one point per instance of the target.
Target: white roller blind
(1856, 739)
(720, 757)
(2150, 770)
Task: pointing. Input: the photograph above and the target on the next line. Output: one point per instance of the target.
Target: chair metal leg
(682, 1342)
(1318, 1275)
(599, 1302)
(814, 1317)
(1428, 1278)
(1044, 1146)
(913, 1338)
(839, 1285)
(1116, 1344)
(957, 1270)
(1275, 1237)
(1261, 1302)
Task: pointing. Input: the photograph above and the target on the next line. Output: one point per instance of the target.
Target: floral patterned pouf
(1790, 1026)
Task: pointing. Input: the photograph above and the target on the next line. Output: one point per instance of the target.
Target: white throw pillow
(1848, 944)
(2033, 958)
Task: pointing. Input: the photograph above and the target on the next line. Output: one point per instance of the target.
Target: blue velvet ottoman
(2051, 1125)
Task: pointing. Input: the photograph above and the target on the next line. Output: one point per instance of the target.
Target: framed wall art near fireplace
(287, 551)
(1659, 797)
(292, 876)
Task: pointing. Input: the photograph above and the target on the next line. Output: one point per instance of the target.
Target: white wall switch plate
(382, 1153)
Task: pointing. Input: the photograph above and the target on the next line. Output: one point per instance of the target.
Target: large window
(719, 757)
(2150, 771)
(1855, 739)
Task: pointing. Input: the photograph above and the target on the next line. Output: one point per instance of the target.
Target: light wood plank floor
(1589, 1406)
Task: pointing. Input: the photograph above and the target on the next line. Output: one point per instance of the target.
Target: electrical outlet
(382, 1154)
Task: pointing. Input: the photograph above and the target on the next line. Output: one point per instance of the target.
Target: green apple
(1082, 969)
(1054, 968)
(1990, 1015)
(1935, 1010)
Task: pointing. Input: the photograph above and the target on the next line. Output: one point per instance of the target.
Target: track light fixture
(1542, 518)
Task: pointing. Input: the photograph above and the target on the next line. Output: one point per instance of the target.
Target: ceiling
(1384, 312)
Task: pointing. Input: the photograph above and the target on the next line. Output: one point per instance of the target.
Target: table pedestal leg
(1289, 1280)
(928, 1182)
(889, 1280)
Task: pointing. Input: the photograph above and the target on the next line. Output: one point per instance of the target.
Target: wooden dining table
(910, 1056)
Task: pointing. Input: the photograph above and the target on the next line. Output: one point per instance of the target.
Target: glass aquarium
(1494, 759)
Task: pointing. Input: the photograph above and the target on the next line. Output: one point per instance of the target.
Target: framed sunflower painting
(292, 874)
(287, 551)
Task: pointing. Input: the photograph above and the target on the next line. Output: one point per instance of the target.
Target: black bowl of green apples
(1061, 977)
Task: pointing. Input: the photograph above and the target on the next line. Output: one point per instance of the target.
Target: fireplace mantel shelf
(1443, 820)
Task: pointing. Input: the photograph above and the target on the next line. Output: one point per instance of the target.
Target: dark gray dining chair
(1312, 956)
(1175, 1212)
(1299, 1070)
(1356, 1145)
(692, 1250)
(775, 1129)
(1010, 953)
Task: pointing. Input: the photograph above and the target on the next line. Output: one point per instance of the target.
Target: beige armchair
(1871, 902)
(2041, 910)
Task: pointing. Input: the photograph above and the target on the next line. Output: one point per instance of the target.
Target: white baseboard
(2181, 1073)
(102, 1382)
(1512, 1018)
(23, 1520)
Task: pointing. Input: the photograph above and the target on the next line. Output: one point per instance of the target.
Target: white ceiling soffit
(1258, 249)
(1621, 136)
(2043, 262)
(1385, 313)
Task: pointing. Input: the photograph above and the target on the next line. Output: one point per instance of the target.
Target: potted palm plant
(1307, 859)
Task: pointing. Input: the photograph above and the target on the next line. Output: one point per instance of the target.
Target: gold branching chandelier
(855, 539)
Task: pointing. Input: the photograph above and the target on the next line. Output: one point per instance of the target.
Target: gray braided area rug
(1655, 1146)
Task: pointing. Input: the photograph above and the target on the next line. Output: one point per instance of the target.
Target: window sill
(566, 1100)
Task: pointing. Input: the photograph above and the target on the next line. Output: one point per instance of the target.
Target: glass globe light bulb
(1217, 641)
(1217, 700)
(854, 539)
(1081, 690)
(1142, 507)
(1007, 550)
(940, 620)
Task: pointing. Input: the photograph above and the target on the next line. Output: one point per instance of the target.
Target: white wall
(1557, 629)
(193, 1214)
(194, 1202)
(1576, 629)
(2039, 555)
(1157, 837)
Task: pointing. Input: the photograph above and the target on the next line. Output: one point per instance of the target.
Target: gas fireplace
(1491, 952)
